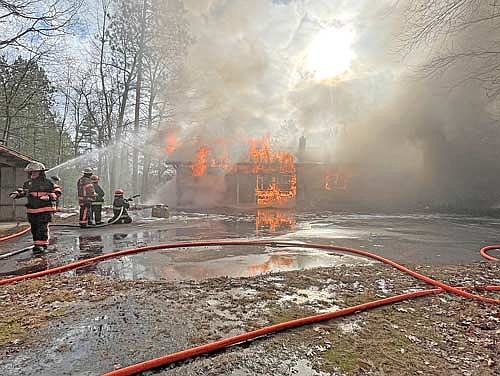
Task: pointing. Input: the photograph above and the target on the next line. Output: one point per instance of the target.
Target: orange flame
(221, 162)
(275, 262)
(335, 179)
(199, 166)
(171, 143)
(274, 220)
(264, 160)
(260, 154)
(204, 159)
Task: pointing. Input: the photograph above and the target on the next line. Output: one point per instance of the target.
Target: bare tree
(460, 33)
(163, 57)
(26, 23)
(144, 22)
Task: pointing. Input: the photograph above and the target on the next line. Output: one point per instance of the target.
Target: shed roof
(12, 158)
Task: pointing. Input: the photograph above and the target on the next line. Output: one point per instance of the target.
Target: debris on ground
(124, 322)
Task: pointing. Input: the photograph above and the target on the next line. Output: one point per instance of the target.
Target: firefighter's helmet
(94, 178)
(119, 192)
(35, 166)
(88, 170)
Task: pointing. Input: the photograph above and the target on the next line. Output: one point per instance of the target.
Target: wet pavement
(410, 238)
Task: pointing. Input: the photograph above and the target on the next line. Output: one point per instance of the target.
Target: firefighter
(118, 203)
(98, 201)
(56, 180)
(86, 195)
(42, 195)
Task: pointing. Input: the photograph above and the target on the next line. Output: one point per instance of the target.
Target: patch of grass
(382, 344)
(267, 295)
(30, 286)
(343, 360)
(57, 312)
(59, 296)
(197, 340)
(278, 314)
(10, 331)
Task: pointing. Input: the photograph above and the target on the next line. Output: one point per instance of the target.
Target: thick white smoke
(407, 141)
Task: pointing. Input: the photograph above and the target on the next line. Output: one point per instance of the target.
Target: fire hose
(211, 347)
(95, 226)
(12, 236)
(15, 235)
(104, 224)
(25, 249)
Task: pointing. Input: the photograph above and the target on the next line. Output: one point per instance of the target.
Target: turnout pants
(96, 213)
(125, 218)
(85, 210)
(40, 228)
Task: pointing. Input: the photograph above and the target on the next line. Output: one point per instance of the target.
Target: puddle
(403, 238)
(210, 262)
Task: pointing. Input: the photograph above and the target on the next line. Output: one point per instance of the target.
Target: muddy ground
(86, 324)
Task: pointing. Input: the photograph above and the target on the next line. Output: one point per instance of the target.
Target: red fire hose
(15, 235)
(211, 347)
(489, 248)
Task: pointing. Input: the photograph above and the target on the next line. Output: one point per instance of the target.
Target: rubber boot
(38, 249)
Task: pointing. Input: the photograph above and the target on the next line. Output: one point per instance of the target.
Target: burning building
(267, 178)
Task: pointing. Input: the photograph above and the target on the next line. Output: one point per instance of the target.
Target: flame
(265, 161)
(171, 143)
(275, 262)
(260, 154)
(270, 194)
(274, 220)
(205, 159)
(221, 162)
(199, 166)
(335, 179)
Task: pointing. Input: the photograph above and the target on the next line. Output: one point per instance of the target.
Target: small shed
(12, 176)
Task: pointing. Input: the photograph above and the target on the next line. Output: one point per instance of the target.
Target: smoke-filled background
(406, 139)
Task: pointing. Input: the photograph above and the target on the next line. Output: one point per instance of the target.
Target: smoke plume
(406, 141)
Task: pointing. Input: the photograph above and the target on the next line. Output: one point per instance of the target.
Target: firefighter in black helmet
(41, 196)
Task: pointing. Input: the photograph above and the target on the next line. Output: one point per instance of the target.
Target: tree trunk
(101, 70)
(6, 131)
(145, 175)
(147, 155)
(115, 160)
(135, 159)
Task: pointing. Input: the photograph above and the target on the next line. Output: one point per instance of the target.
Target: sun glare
(330, 54)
